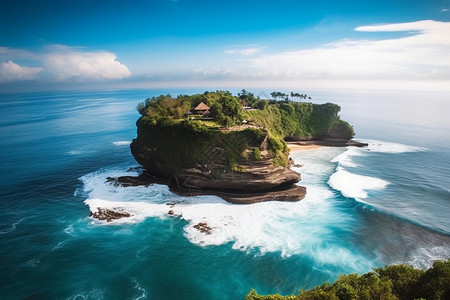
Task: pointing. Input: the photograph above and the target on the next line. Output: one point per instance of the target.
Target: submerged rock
(203, 228)
(108, 215)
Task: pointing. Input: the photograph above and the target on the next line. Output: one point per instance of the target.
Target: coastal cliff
(234, 147)
(243, 166)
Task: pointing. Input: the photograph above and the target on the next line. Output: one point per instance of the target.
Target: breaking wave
(288, 228)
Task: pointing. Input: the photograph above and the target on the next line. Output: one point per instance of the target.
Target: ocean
(365, 207)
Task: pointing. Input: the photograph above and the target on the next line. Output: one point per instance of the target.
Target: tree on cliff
(164, 106)
(227, 111)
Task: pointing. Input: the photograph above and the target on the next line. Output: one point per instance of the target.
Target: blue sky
(144, 44)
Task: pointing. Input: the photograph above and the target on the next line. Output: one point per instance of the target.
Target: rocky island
(234, 147)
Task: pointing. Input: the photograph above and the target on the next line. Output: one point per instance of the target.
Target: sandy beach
(298, 147)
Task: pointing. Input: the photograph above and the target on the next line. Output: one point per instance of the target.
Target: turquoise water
(365, 208)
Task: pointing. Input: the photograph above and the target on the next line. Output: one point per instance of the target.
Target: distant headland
(232, 146)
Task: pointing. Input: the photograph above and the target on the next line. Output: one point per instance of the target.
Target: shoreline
(300, 147)
(315, 144)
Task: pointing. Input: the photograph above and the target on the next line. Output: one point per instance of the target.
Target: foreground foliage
(392, 282)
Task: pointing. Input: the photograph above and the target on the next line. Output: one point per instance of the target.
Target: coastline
(314, 144)
(301, 147)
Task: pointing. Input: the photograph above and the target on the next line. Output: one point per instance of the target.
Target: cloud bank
(61, 63)
(66, 63)
(421, 55)
(417, 57)
(11, 71)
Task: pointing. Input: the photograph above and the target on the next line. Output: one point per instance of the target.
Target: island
(234, 147)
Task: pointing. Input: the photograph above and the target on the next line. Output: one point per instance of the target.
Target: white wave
(60, 245)
(139, 210)
(122, 143)
(389, 147)
(286, 227)
(357, 186)
(423, 258)
(92, 294)
(345, 159)
(70, 230)
(140, 289)
(353, 185)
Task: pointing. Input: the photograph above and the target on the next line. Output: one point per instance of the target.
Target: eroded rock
(203, 228)
(108, 215)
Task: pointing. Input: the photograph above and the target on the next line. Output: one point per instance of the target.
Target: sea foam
(289, 228)
(357, 186)
(121, 143)
(353, 185)
(345, 159)
(389, 147)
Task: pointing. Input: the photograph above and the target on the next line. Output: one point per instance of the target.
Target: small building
(245, 105)
(201, 109)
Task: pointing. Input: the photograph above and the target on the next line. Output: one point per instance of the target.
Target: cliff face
(300, 121)
(241, 166)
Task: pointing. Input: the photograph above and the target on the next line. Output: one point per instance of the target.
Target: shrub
(256, 154)
(392, 282)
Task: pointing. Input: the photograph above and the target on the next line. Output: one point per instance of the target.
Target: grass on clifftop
(179, 143)
(284, 118)
(393, 282)
(174, 125)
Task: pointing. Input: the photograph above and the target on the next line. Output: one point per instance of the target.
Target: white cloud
(245, 51)
(421, 55)
(423, 26)
(444, 9)
(61, 63)
(11, 71)
(66, 63)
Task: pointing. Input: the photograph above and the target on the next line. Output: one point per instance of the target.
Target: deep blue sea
(365, 208)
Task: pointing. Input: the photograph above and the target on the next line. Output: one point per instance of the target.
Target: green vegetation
(179, 143)
(227, 111)
(166, 119)
(302, 120)
(284, 118)
(256, 154)
(392, 282)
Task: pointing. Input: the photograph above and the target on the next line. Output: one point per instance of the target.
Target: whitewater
(365, 208)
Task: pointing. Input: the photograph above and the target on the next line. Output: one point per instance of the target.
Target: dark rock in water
(293, 164)
(203, 228)
(141, 180)
(135, 169)
(105, 214)
(171, 212)
(290, 193)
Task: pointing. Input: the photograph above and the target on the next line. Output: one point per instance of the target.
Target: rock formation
(253, 179)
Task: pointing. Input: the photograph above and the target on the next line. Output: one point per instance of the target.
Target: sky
(97, 44)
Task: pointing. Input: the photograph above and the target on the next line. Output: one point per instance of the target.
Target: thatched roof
(202, 106)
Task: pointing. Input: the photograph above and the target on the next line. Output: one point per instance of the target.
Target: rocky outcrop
(223, 167)
(203, 228)
(109, 215)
